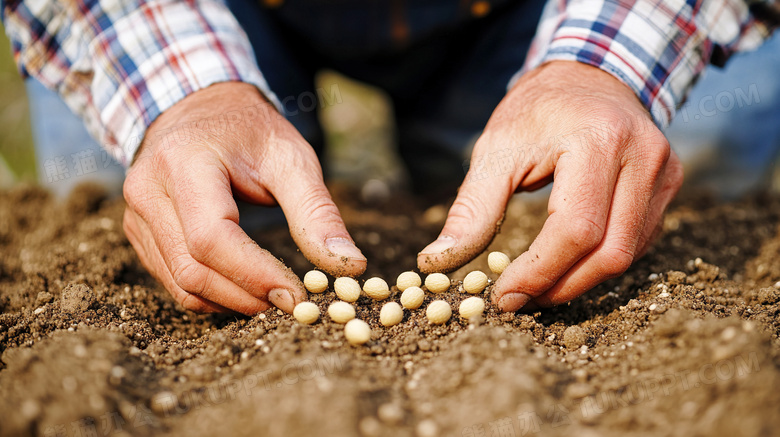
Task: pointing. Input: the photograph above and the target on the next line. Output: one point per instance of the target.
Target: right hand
(182, 219)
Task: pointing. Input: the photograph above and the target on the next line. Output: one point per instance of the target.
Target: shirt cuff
(657, 48)
(156, 56)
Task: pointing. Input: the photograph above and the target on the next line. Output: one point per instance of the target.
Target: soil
(687, 342)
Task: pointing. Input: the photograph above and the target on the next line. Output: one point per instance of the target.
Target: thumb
(474, 219)
(316, 224)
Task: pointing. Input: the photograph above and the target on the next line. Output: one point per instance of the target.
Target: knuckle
(189, 275)
(191, 303)
(615, 261)
(584, 232)
(200, 242)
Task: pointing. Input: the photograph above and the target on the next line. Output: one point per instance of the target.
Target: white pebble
(412, 298)
(437, 282)
(391, 314)
(498, 261)
(315, 281)
(306, 313)
(471, 307)
(357, 331)
(376, 288)
(341, 312)
(347, 289)
(438, 312)
(475, 282)
(427, 428)
(408, 279)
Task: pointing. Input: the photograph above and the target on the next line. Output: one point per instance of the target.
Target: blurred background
(727, 133)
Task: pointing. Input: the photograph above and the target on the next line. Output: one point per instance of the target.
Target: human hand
(614, 176)
(182, 219)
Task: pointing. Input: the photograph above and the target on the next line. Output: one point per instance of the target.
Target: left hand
(614, 176)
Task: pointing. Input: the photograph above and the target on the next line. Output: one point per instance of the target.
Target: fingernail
(282, 299)
(343, 247)
(441, 244)
(512, 302)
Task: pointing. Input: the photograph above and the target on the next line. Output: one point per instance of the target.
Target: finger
(668, 187)
(150, 257)
(473, 220)
(578, 211)
(217, 249)
(315, 221)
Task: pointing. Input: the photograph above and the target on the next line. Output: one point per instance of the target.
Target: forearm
(657, 48)
(120, 63)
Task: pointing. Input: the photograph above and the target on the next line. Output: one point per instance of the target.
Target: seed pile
(358, 332)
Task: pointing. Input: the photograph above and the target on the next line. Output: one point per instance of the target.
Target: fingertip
(512, 302)
(284, 299)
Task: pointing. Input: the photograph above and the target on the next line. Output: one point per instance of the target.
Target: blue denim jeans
(445, 64)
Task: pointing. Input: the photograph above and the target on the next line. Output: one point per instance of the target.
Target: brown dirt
(91, 345)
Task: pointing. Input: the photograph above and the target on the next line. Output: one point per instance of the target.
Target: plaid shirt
(121, 63)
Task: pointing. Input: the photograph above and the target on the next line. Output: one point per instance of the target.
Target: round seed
(475, 282)
(498, 261)
(471, 307)
(391, 314)
(408, 279)
(357, 331)
(438, 312)
(376, 288)
(412, 298)
(315, 281)
(341, 312)
(347, 289)
(306, 313)
(437, 282)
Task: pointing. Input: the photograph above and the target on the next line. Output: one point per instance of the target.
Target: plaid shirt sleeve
(656, 47)
(120, 63)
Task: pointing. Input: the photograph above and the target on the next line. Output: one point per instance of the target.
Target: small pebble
(347, 289)
(438, 312)
(412, 298)
(315, 281)
(471, 307)
(357, 332)
(341, 312)
(437, 283)
(427, 428)
(391, 314)
(475, 282)
(306, 313)
(376, 288)
(574, 337)
(408, 279)
(498, 261)
(390, 413)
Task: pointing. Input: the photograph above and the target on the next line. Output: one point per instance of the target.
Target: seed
(306, 313)
(315, 281)
(376, 288)
(347, 289)
(475, 282)
(412, 298)
(471, 307)
(391, 314)
(437, 282)
(438, 312)
(357, 331)
(498, 261)
(341, 312)
(408, 279)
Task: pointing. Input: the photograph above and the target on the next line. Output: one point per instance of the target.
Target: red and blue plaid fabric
(121, 63)
(656, 47)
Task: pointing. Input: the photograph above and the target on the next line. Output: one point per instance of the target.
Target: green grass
(16, 145)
